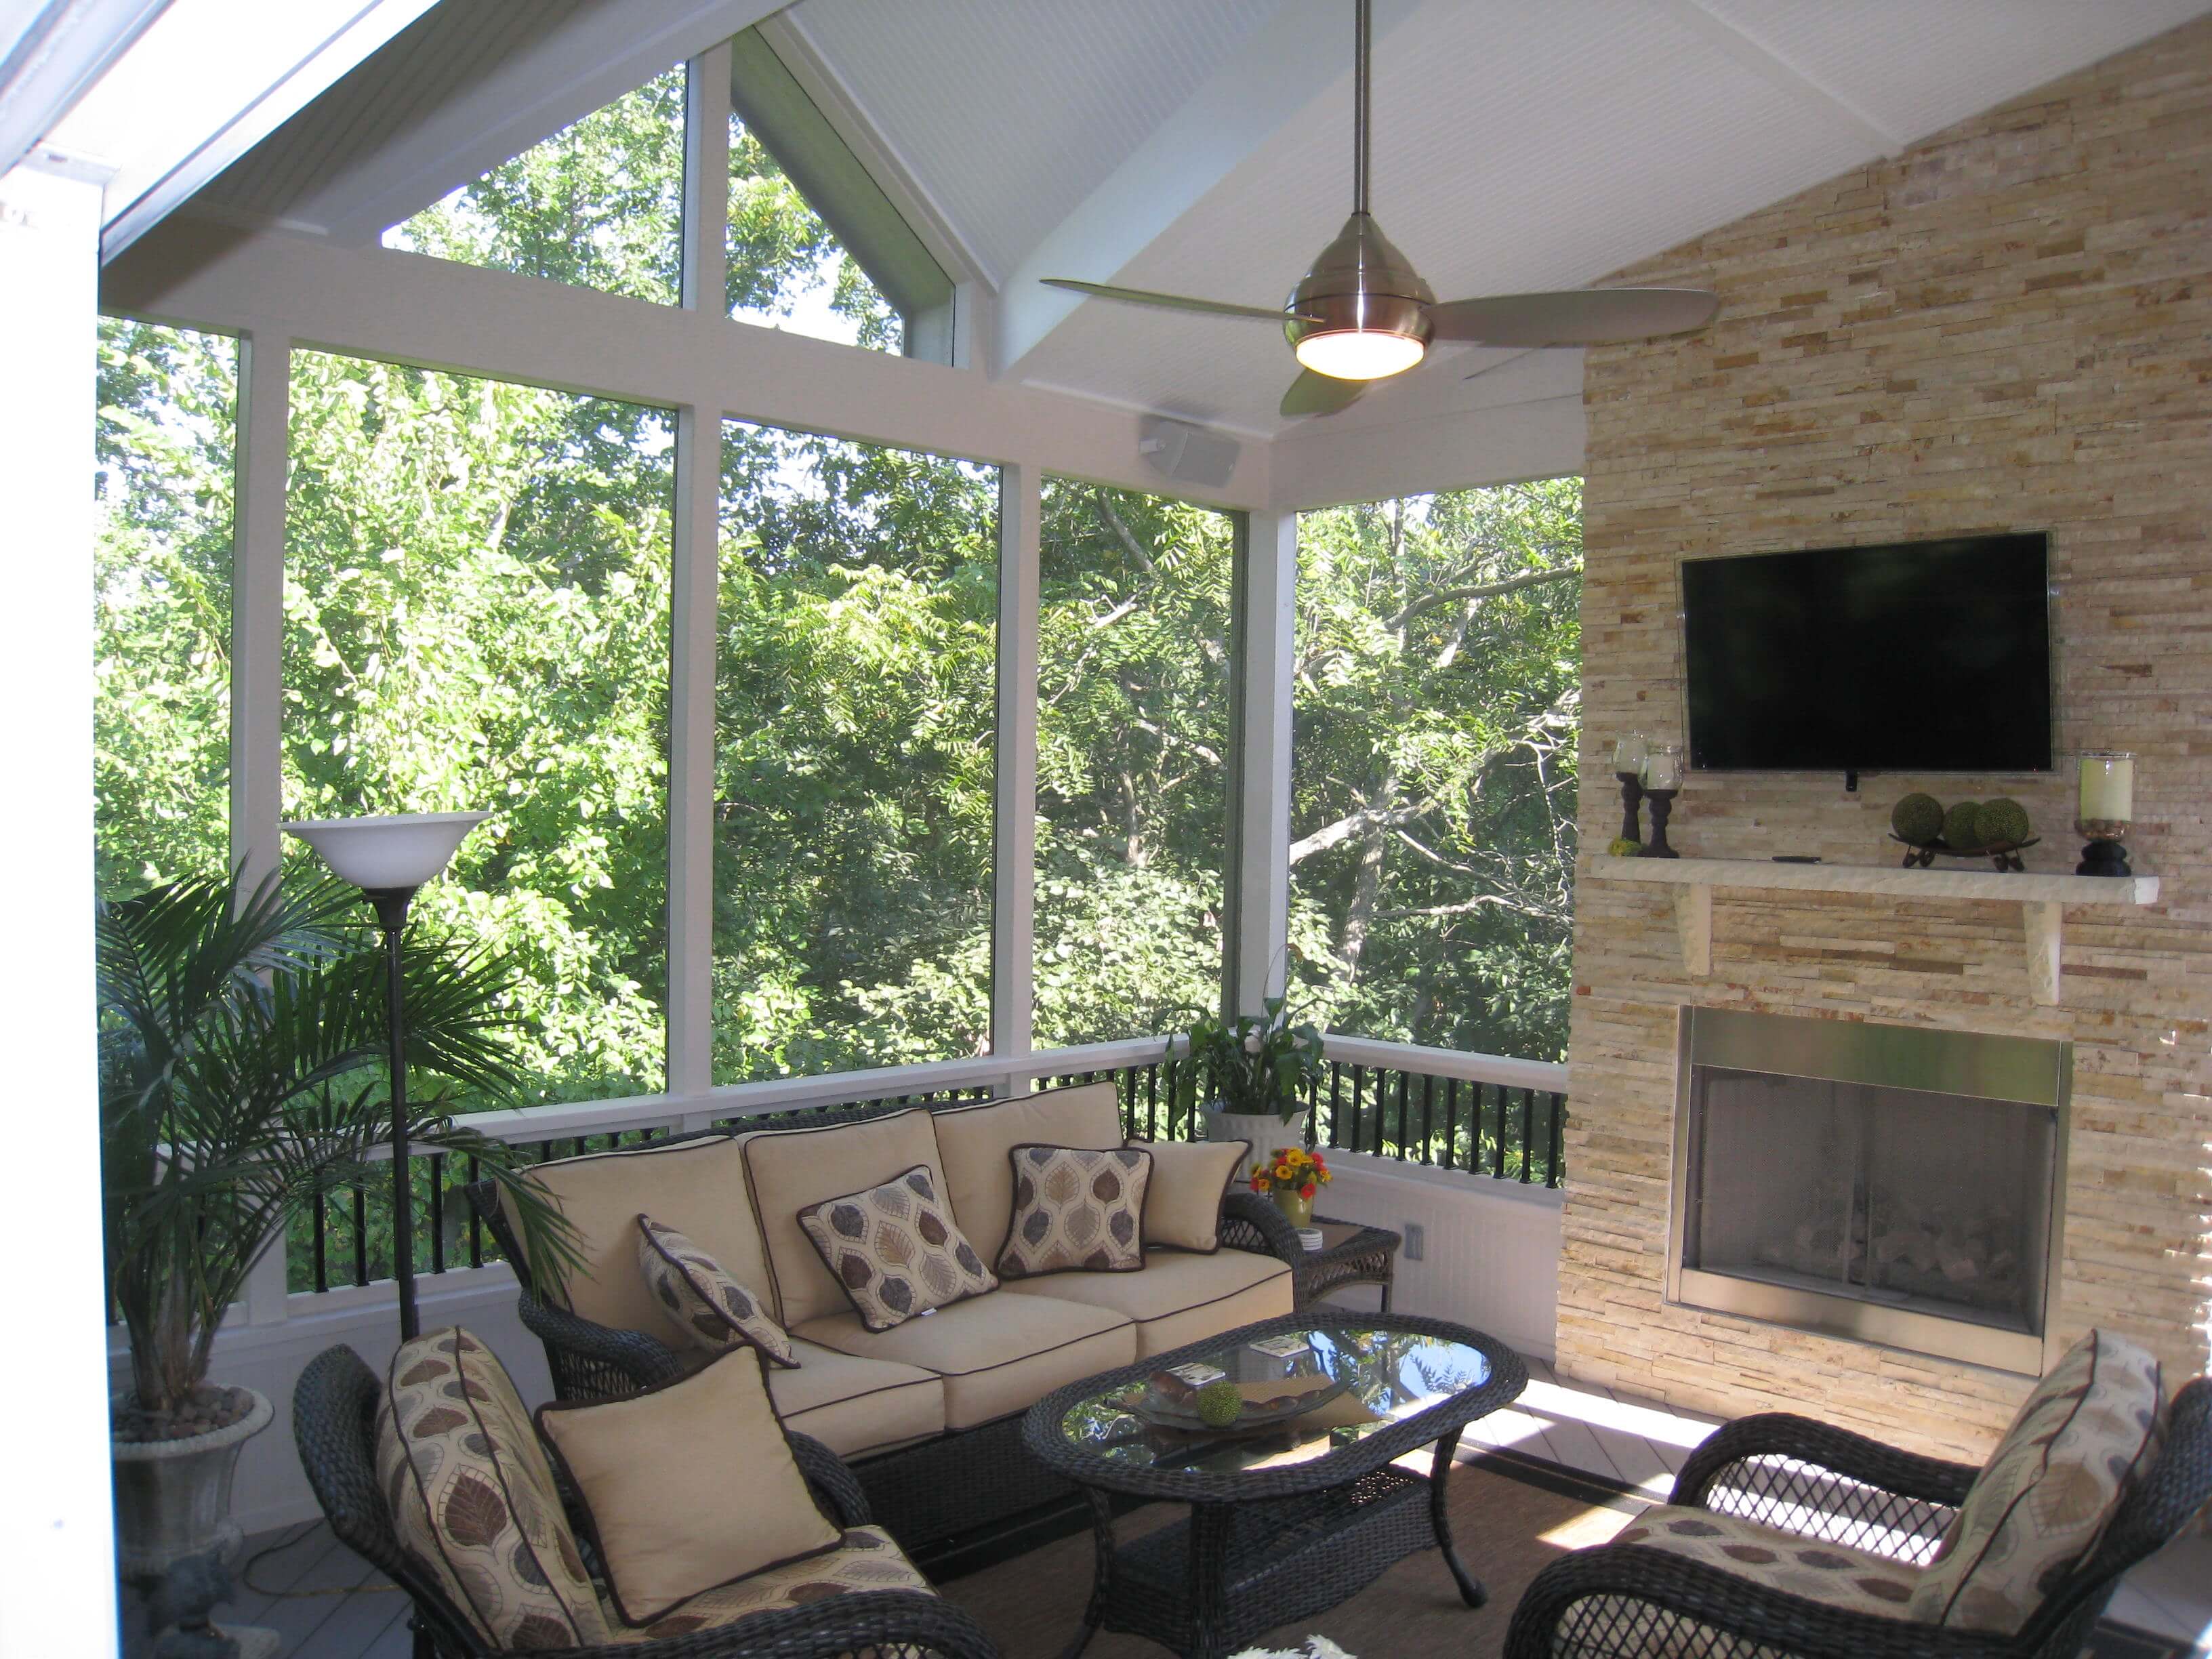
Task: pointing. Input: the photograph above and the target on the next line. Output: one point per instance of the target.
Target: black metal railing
(1481, 1129)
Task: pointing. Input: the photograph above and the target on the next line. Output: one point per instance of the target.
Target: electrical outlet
(1416, 1240)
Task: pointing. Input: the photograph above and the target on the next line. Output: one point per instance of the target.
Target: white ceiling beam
(53, 56)
(1289, 63)
(583, 64)
(1816, 95)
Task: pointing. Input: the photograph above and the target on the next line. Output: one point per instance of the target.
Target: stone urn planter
(1265, 1130)
(173, 1497)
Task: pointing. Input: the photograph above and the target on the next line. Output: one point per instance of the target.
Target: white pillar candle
(2108, 785)
(1628, 754)
(1662, 767)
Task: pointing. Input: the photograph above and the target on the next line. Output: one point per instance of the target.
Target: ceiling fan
(1362, 314)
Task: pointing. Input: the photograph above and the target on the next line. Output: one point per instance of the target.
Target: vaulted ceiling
(1203, 146)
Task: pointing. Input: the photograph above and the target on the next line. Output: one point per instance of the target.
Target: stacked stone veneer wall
(2007, 327)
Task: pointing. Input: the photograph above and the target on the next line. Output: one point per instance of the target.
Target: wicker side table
(1351, 1254)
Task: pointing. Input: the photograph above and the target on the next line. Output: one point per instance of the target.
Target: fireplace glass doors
(1883, 1182)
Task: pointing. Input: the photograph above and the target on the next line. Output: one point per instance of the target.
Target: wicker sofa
(927, 1414)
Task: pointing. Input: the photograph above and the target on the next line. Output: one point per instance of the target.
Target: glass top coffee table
(1287, 1518)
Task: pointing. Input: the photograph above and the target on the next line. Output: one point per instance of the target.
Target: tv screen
(1912, 657)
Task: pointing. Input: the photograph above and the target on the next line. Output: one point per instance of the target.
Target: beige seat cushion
(686, 1486)
(998, 1354)
(788, 1169)
(1179, 1296)
(855, 1406)
(2043, 1501)
(975, 1141)
(697, 1187)
(866, 1560)
(473, 1496)
(1190, 1180)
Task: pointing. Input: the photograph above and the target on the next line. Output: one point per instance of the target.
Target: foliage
(1255, 1063)
(1437, 717)
(476, 613)
(243, 1073)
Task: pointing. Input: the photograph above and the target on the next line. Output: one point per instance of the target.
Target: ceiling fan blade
(1319, 394)
(1590, 316)
(1144, 296)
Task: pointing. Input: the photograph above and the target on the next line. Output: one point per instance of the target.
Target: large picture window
(1132, 741)
(856, 665)
(476, 615)
(162, 565)
(1437, 714)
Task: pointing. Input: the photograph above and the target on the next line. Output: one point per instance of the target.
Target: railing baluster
(360, 1235)
(1451, 1121)
(1405, 1082)
(1428, 1106)
(1497, 1150)
(1335, 1102)
(437, 1212)
(1559, 1116)
(1528, 1134)
(322, 1232)
(476, 1221)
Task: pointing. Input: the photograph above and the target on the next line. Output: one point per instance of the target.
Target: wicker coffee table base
(1207, 1585)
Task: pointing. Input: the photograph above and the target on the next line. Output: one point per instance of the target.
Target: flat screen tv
(1911, 657)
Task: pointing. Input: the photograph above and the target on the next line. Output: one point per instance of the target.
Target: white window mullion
(1267, 667)
(692, 599)
(257, 666)
(1014, 852)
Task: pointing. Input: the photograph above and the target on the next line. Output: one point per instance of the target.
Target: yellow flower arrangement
(1290, 1169)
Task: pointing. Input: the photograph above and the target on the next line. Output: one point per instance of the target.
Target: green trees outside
(1437, 718)
(476, 613)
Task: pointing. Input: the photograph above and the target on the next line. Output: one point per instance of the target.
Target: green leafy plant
(243, 1073)
(1256, 1063)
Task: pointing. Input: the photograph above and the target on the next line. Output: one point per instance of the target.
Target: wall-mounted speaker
(1186, 454)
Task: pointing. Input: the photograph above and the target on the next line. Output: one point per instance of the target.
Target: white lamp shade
(402, 851)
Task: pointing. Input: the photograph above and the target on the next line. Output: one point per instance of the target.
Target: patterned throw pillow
(707, 1304)
(2042, 1502)
(472, 1497)
(895, 1249)
(1076, 1211)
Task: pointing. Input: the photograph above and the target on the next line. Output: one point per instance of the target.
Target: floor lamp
(389, 859)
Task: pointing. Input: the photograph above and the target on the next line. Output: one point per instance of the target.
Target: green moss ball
(1961, 825)
(2001, 819)
(1917, 818)
(1623, 847)
(1220, 1404)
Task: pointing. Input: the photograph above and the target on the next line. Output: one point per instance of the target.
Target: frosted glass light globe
(1360, 354)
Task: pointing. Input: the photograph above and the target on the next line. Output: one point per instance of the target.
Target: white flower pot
(1265, 1130)
(173, 1497)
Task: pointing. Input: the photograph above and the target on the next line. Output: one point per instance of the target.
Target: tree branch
(1367, 817)
(1481, 591)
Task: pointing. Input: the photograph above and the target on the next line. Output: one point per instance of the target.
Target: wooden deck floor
(326, 1603)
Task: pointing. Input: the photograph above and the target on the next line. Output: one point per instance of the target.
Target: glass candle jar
(2108, 787)
(1662, 767)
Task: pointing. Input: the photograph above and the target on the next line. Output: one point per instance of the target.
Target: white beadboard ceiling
(1516, 146)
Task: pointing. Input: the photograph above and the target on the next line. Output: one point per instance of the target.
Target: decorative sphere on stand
(1917, 819)
(1961, 828)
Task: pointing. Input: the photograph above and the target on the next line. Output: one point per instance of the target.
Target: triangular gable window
(814, 246)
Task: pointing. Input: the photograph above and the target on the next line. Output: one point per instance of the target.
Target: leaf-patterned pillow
(896, 1250)
(1076, 1211)
(472, 1497)
(708, 1306)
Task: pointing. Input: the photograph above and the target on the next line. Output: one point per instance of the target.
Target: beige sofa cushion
(788, 1169)
(2043, 1501)
(856, 1407)
(473, 1497)
(975, 1141)
(1179, 1296)
(697, 1187)
(868, 1559)
(998, 1354)
(1834, 1575)
(1190, 1180)
(687, 1487)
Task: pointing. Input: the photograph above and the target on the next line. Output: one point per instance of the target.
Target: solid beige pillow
(687, 1487)
(1182, 1211)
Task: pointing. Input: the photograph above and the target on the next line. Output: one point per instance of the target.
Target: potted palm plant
(1254, 1068)
(242, 1074)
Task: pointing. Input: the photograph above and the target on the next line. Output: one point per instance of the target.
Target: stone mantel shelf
(2041, 899)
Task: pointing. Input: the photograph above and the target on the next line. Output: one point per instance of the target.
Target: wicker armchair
(1630, 1602)
(334, 1423)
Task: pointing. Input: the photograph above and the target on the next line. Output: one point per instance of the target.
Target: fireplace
(1881, 1183)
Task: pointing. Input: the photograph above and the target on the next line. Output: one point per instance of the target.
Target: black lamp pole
(391, 904)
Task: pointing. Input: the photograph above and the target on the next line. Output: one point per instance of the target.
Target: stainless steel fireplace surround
(1880, 1182)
